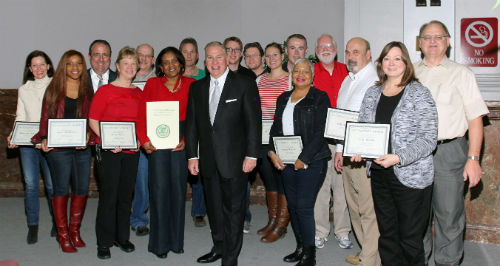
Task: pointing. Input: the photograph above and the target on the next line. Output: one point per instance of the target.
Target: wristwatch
(473, 157)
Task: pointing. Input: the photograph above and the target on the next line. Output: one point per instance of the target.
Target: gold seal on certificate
(163, 124)
(288, 148)
(23, 132)
(117, 134)
(67, 132)
(336, 120)
(366, 139)
(266, 128)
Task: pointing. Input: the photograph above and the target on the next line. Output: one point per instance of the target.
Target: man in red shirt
(328, 77)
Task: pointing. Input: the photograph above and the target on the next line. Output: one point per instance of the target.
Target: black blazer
(309, 118)
(237, 128)
(112, 77)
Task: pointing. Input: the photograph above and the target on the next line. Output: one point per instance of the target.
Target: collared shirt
(330, 83)
(221, 81)
(353, 90)
(454, 89)
(145, 77)
(95, 79)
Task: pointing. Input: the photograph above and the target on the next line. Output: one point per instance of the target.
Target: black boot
(32, 234)
(297, 254)
(309, 257)
(53, 231)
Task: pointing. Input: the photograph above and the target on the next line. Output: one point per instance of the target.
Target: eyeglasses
(144, 56)
(100, 54)
(230, 50)
(252, 55)
(435, 37)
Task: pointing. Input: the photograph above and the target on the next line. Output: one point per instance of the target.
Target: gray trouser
(447, 204)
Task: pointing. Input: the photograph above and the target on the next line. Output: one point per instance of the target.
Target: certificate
(23, 132)
(139, 84)
(67, 133)
(336, 120)
(117, 134)
(163, 124)
(288, 148)
(366, 139)
(266, 128)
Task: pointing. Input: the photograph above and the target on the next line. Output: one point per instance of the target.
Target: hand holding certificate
(67, 133)
(22, 133)
(117, 134)
(366, 139)
(163, 124)
(288, 148)
(336, 121)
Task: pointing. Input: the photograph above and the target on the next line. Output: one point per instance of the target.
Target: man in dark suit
(224, 119)
(100, 59)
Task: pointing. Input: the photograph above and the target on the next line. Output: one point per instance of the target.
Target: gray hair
(217, 44)
(329, 36)
(147, 45)
(311, 66)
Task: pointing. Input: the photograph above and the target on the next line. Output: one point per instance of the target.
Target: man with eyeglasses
(234, 47)
(100, 59)
(328, 77)
(296, 48)
(146, 55)
(460, 109)
(254, 57)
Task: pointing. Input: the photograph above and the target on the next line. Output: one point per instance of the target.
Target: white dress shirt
(221, 81)
(95, 79)
(353, 90)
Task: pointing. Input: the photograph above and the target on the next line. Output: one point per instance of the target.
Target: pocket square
(231, 100)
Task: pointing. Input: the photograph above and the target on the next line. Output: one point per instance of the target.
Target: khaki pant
(341, 223)
(358, 194)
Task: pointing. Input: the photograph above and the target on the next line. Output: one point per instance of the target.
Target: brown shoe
(352, 259)
(272, 209)
(282, 219)
(199, 221)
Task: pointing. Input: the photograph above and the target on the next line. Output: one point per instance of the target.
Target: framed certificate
(163, 124)
(266, 128)
(67, 133)
(117, 134)
(336, 120)
(139, 84)
(366, 139)
(288, 148)
(23, 132)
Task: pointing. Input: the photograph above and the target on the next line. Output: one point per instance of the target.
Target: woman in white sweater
(38, 72)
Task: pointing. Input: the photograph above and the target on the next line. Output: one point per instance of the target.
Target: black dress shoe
(103, 253)
(209, 257)
(180, 251)
(162, 256)
(126, 246)
(32, 237)
(141, 230)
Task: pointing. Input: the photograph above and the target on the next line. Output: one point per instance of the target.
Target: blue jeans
(32, 161)
(70, 164)
(198, 207)
(301, 189)
(140, 205)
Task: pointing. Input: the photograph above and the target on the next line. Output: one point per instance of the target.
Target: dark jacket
(112, 76)
(309, 118)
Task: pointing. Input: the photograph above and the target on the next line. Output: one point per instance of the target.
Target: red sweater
(330, 83)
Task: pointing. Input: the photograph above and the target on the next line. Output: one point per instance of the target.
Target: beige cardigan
(29, 99)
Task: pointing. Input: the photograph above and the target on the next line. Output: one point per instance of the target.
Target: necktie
(214, 101)
(100, 81)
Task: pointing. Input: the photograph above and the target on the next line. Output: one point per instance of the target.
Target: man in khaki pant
(358, 194)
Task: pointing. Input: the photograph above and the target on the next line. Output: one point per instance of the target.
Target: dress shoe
(162, 255)
(141, 230)
(180, 251)
(126, 246)
(199, 221)
(209, 257)
(297, 254)
(32, 234)
(53, 231)
(103, 253)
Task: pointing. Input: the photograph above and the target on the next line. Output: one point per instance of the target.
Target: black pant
(402, 216)
(117, 172)
(270, 175)
(226, 212)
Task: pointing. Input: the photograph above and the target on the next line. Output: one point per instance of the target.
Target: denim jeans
(69, 164)
(32, 161)
(140, 205)
(198, 207)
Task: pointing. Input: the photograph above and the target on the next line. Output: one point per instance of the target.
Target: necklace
(177, 85)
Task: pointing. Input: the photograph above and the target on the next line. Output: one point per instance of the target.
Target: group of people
(391, 201)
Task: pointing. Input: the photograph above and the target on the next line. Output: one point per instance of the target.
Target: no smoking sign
(479, 41)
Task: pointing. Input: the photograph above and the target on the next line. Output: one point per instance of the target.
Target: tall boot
(309, 257)
(60, 205)
(76, 214)
(282, 219)
(53, 231)
(297, 254)
(272, 209)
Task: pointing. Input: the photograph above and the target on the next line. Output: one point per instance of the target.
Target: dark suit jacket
(112, 77)
(237, 128)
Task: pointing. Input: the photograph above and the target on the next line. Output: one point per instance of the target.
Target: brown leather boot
(282, 219)
(76, 214)
(272, 209)
(60, 205)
